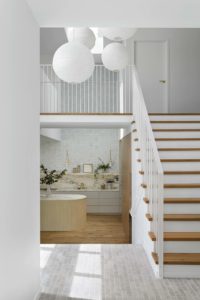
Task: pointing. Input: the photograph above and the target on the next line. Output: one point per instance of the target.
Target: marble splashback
(83, 145)
(87, 182)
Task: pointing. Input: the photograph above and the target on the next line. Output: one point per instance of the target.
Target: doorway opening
(90, 202)
(152, 59)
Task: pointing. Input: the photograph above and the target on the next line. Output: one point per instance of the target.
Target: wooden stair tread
(181, 160)
(174, 149)
(177, 236)
(179, 258)
(177, 217)
(144, 185)
(177, 129)
(182, 200)
(177, 139)
(178, 149)
(177, 172)
(182, 217)
(182, 185)
(149, 217)
(174, 114)
(177, 160)
(178, 185)
(176, 122)
(176, 200)
(181, 172)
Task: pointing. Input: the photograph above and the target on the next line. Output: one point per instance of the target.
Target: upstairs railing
(104, 92)
(151, 166)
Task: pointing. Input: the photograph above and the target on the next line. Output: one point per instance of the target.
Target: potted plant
(103, 166)
(50, 176)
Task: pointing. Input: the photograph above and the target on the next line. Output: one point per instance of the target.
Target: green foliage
(50, 177)
(102, 166)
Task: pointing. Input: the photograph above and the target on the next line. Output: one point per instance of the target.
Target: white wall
(52, 133)
(126, 13)
(83, 146)
(19, 152)
(184, 65)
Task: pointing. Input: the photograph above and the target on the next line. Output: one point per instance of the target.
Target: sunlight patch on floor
(45, 253)
(86, 288)
(88, 263)
(90, 248)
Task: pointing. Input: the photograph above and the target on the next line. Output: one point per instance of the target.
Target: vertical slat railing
(152, 167)
(99, 94)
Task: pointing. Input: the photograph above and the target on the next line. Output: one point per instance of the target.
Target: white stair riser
(175, 118)
(182, 271)
(182, 226)
(182, 208)
(181, 247)
(181, 166)
(178, 144)
(181, 192)
(182, 178)
(176, 134)
(180, 154)
(175, 125)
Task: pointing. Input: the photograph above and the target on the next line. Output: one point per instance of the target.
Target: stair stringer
(140, 225)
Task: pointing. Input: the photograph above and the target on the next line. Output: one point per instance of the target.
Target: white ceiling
(119, 13)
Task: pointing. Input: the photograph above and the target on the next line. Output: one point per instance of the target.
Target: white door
(151, 62)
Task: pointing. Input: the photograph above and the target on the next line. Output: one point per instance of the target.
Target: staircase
(178, 141)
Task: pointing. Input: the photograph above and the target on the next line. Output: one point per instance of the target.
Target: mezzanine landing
(86, 120)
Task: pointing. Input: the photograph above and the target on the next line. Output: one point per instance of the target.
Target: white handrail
(151, 166)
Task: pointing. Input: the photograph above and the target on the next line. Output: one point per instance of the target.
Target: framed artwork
(87, 168)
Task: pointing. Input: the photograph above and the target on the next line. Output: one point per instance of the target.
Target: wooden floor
(100, 229)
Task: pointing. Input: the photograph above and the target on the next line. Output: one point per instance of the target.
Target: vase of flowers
(49, 177)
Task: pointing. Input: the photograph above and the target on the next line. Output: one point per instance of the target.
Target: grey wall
(184, 65)
(83, 146)
(50, 40)
(19, 152)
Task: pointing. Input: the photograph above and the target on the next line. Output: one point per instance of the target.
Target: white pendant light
(73, 62)
(115, 57)
(117, 34)
(83, 35)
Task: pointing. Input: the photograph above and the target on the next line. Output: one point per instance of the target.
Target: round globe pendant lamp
(118, 34)
(73, 62)
(83, 35)
(115, 57)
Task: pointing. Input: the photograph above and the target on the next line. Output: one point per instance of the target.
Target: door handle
(162, 81)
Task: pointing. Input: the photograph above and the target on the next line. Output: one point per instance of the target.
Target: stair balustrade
(104, 92)
(151, 166)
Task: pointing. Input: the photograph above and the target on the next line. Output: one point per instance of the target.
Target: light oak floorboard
(104, 229)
